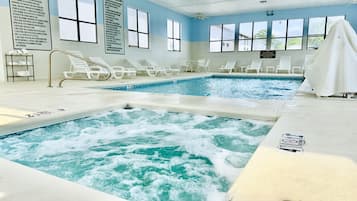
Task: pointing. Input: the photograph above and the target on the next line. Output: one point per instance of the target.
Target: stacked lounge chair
(118, 72)
(79, 67)
(229, 66)
(284, 64)
(256, 65)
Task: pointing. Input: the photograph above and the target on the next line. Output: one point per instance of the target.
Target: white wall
(157, 52)
(2, 67)
(5, 42)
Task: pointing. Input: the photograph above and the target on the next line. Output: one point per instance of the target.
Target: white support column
(2, 65)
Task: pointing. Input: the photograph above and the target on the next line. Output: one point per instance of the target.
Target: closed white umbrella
(333, 70)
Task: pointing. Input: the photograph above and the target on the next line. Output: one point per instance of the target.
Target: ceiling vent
(270, 12)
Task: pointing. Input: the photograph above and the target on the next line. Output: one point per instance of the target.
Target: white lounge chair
(166, 70)
(79, 68)
(256, 65)
(188, 66)
(118, 72)
(174, 69)
(284, 64)
(229, 66)
(154, 68)
(141, 68)
(203, 64)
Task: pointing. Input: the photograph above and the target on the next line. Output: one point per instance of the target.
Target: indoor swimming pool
(142, 155)
(262, 88)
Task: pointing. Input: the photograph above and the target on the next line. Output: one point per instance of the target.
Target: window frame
(222, 39)
(290, 37)
(173, 35)
(281, 37)
(253, 37)
(324, 35)
(137, 29)
(78, 22)
(266, 38)
(287, 37)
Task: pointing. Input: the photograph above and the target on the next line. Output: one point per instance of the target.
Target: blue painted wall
(200, 28)
(4, 3)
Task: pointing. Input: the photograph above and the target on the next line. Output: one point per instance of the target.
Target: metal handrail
(78, 57)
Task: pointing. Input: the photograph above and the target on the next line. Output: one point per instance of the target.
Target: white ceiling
(224, 7)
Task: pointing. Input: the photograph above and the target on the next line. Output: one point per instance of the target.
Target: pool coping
(41, 121)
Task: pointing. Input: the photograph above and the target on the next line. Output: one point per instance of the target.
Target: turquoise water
(142, 155)
(246, 88)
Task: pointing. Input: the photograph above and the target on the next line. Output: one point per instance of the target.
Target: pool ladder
(60, 84)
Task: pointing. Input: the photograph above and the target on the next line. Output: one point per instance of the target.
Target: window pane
(294, 44)
(296, 27)
(229, 31)
(86, 10)
(317, 26)
(67, 9)
(143, 22)
(170, 44)
(88, 32)
(260, 29)
(216, 32)
(68, 30)
(279, 28)
(169, 29)
(245, 45)
(215, 46)
(278, 44)
(176, 30)
(245, 30)
(177, 45)
(133, 38)
(228, 46)
(143, 40)
(259, 44)
(132, 19)
(332, 20)
(314, 42)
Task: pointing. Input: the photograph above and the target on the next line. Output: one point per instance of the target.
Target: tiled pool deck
(326, 170)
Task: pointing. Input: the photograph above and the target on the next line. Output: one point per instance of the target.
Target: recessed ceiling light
(263, 1)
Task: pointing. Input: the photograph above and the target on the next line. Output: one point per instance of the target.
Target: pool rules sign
(114, 26)
(30, 23)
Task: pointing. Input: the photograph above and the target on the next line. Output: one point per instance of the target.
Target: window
(77, 20)
(319, 28)
(138, 28)
(278, 34)
(253, 36)
(222, 37)
(260, 30)
(287, 34)
(295, 34)
(173, 35)
(245, 36)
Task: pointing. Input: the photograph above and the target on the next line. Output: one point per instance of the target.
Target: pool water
(142, 155)
(226, 87)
